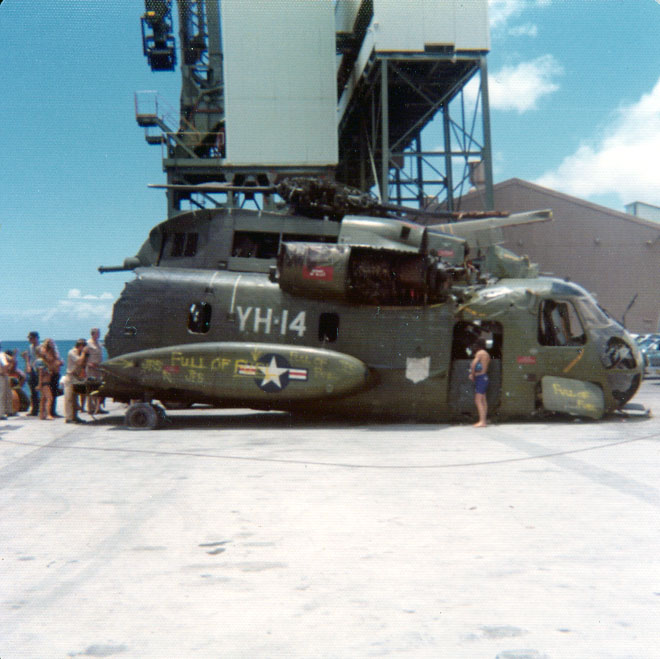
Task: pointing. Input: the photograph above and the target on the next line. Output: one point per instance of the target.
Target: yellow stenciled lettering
(220, 363)
(584, 405)
(179, 359)
(152, 365)
(195, 377)
(582, 398)
(563, 391)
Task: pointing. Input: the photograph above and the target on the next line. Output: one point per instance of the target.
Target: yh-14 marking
(265, 319)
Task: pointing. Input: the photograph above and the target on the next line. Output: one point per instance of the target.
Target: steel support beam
(449, 177)
(385, 132)
(486, 157)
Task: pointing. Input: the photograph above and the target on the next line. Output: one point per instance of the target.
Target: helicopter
(333, 303)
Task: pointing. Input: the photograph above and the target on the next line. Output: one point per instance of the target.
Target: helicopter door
(562, 341)
(461, 388)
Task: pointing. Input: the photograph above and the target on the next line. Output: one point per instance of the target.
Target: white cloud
(623, 159)
(500, 12)
(75, 307)
(520, 87)
(79, 307)
(80, 310)
(524, 30)
(76, 294)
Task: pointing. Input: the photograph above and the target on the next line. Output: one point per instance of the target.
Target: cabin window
(178, 244)
(199, 317)
(184, 244)
(191, 245)
(559, 325)
(312, 238)
(328, 327)
(255, 244)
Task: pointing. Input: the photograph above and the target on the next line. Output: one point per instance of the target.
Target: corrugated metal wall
(280, 88)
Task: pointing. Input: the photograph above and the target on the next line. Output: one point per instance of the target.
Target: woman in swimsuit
(479, 375)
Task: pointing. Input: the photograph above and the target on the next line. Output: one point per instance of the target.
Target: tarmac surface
(240, 534)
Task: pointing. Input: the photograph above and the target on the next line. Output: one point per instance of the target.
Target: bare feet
(479, 425)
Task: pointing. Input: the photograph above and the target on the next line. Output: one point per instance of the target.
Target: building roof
(554, 194)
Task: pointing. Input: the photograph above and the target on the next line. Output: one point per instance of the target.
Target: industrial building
(614, 255)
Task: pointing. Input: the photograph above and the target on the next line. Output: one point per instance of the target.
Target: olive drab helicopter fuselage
(355, 315)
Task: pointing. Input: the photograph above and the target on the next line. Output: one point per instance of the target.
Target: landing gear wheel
(142, 416)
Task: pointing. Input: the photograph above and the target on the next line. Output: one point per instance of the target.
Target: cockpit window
(559, 324)
(593, 315)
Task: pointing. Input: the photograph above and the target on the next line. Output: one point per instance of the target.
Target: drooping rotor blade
(488, 231)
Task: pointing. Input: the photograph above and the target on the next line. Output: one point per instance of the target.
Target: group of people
(43, 371)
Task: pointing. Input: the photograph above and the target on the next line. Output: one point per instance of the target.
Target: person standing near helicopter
(479, 375)
(5, 388)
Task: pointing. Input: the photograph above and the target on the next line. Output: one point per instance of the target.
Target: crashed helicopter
(334, 303)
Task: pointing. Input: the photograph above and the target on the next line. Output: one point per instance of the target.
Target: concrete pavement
(238, 534)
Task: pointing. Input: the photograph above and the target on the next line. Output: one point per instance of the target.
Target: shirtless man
(479, 375)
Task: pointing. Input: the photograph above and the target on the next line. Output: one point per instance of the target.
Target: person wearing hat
(75, 369)
(30, 356)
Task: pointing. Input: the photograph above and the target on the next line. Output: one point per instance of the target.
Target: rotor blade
(408, 210)
(480, 233)
(461, 229)
(213, 187)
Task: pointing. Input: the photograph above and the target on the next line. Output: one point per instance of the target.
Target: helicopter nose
(624, 365)
(119, 367)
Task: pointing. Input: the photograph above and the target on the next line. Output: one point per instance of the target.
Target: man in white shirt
(75, 366)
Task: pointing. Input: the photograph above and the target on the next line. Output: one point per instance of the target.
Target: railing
(150, 106)
(194, 144)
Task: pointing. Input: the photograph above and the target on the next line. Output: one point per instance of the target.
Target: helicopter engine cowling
(364, 275)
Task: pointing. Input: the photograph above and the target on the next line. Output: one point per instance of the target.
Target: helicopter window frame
(559, 324)
(328, 327)
(199, 317)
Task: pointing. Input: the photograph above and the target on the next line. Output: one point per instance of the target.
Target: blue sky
(575, 105)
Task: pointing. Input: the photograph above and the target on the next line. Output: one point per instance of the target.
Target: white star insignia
(272, 373)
